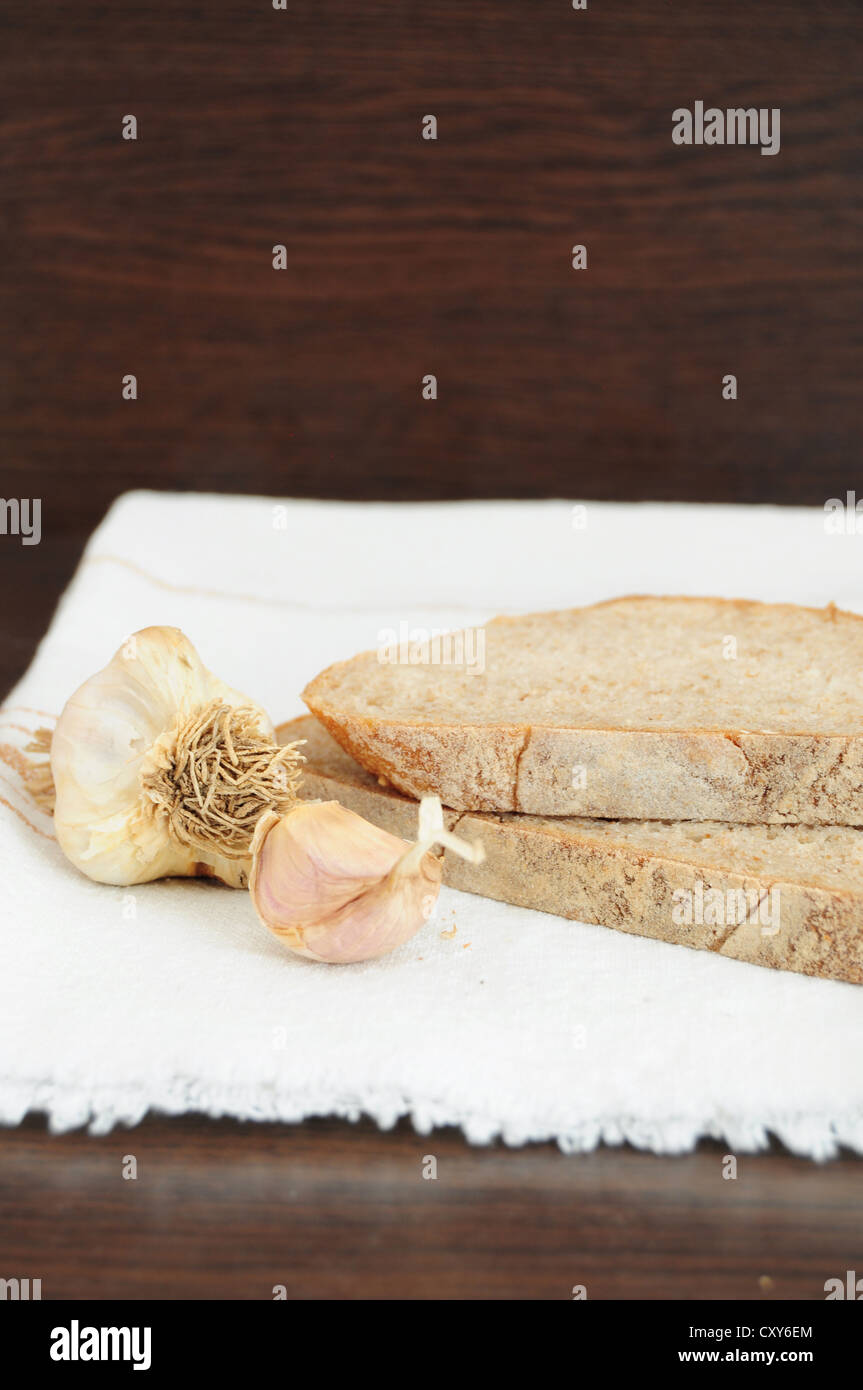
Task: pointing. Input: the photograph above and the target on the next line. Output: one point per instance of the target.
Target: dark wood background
(333, 1210)
(405, 257)
(302, 127)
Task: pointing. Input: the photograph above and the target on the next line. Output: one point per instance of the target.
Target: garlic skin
(337, 889)
(116, 747)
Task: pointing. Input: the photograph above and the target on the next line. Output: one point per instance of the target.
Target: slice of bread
(644, 708)
(802, 904)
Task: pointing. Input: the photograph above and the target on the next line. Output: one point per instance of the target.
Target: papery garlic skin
(337, 889)
(114, 731)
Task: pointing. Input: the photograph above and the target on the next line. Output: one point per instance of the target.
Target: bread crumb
(448, 935)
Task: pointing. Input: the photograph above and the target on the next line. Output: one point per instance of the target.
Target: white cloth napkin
(171, 996)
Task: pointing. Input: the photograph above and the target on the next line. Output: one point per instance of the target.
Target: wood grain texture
(338, 1211)
(259, 127)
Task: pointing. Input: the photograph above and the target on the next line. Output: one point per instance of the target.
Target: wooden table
(406, 257)
(333, 1210)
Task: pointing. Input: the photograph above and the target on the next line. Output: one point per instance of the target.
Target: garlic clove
(335, 888)
(123, 812)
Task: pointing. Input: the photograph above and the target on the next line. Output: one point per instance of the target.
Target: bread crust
(709, 773)
(560, 867)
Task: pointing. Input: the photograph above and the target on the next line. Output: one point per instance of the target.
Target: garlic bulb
(335, 888)
(161, 769)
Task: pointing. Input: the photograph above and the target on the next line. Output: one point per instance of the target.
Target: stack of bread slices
(688, 769)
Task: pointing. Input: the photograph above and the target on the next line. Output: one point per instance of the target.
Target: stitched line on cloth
(25, 709)
(258, 598)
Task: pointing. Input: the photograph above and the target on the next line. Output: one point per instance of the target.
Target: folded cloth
(172, 997)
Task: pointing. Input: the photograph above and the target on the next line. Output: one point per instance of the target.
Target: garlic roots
(335, 888)
(160, 769)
